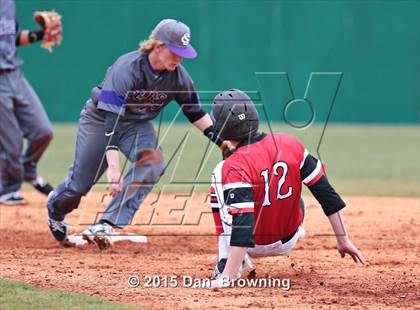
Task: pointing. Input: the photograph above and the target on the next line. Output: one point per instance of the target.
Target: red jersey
(265, 176)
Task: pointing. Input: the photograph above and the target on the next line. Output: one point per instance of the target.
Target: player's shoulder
(281, 144)
(127, 66)
(285, 139)
(126, 57)
(236, 162)
(235, 169)
(129, 59)
(182, 76)
(182, 71)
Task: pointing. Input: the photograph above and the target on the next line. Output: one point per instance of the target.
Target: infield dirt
(385, 229)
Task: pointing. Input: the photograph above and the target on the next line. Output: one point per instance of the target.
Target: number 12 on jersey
(280, 183)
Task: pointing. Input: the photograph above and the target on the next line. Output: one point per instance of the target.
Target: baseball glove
(50, 21)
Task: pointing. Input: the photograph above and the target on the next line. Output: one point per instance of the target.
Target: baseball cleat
(218, 270)
(247, 263)
(58, 229)
(99, 234)
(220, 266)
(42, 186)
(12, 199)
(103, 242)
(88, 235)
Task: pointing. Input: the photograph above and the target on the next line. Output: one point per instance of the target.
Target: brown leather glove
(50, 21)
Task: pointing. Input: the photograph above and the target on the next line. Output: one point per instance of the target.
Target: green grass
(361, 160)
(18, 295)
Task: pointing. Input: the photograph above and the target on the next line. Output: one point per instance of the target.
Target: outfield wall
(364, 53)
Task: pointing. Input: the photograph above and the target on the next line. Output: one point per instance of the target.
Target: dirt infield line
(385, 229)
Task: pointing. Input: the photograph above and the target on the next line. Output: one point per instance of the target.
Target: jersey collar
(258, 136)
(155, 75)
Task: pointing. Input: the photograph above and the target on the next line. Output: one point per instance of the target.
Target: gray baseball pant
(21, 116)
(138, 142)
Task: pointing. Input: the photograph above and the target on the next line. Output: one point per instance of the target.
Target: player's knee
(47, 138)
(66, 201)
(80, 189)
(160, 170)
(150, 165)
(154, 172)
(47, 135)
(149, 156)
(41, 131)
(43, 138)
(15, 169)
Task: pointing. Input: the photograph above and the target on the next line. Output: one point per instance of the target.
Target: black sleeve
(112, 130)
(243, 230)
(330, 201)
(308, 166)
(191, 107)
(187, 98)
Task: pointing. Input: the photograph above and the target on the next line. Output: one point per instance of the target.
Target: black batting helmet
(234, 115)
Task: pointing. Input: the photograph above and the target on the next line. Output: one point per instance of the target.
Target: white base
(78, 239)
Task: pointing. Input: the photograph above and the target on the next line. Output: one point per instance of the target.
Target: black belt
(288, 238)
(4, 71)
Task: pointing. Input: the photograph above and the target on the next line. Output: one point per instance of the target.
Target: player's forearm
(234, 261)
(112, 130)
(112, 158)
(26, 37)
(203, 123)
(337, 223)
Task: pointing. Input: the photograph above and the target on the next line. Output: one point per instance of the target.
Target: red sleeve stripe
(237, 211)
(315, 176)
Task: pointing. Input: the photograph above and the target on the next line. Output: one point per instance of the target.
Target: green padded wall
(363, 53)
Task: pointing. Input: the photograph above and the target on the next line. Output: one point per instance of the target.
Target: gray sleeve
(188, 99)
(18, 30)
(118, 81)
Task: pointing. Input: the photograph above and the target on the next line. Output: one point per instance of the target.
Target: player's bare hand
(114, 180)
(345, 246)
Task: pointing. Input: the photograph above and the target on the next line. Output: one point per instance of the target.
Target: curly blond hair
(146, 46)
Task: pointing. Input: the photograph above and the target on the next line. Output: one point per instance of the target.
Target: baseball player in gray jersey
(21, 114)
(117, 118)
